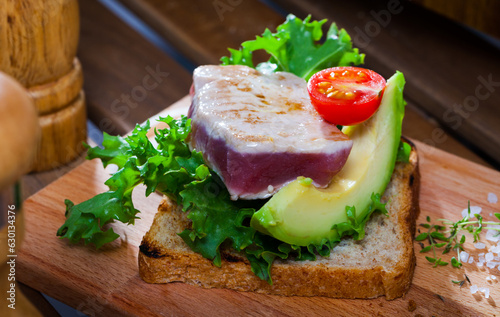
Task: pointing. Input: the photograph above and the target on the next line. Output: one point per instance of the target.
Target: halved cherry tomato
(346, 95)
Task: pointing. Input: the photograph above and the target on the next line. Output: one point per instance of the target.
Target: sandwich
(270, 184)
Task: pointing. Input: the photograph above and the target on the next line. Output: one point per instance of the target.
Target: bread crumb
(412, 306)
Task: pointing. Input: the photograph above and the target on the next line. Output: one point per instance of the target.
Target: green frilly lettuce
(173, 169)
(298, 47)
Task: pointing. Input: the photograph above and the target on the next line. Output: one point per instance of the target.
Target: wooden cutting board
(106, 282)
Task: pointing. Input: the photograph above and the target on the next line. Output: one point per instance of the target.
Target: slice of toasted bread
(380, 264)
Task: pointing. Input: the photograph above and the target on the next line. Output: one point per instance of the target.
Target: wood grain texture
(39, 41)
(62, 117)
(203, 30)
(417, 125)
(106, 281)
(62, 134)
(479, 14)
(452, 74)
(38, 38)
(127, 79)
(57, 94)
(33, 182)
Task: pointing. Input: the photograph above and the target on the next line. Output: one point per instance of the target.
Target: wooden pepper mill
(38, 41)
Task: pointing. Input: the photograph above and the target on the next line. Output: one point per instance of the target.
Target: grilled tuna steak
(258, 132)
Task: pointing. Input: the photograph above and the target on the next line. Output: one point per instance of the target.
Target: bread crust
(164, 258)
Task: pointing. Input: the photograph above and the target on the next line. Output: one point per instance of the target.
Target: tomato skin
(346, 95)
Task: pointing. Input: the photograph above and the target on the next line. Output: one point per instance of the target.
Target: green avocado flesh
(302, 214)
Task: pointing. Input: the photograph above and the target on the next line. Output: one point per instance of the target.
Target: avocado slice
(302, 214)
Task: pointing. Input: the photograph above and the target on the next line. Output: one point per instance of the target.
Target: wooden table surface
(106, 282)
(444, 64)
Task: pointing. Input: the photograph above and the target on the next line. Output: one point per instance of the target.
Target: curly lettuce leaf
(215, 219)
(180, 173)
(298, 47)
(115, 204)
(354, 226)
(168, 167)
(173, 169)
